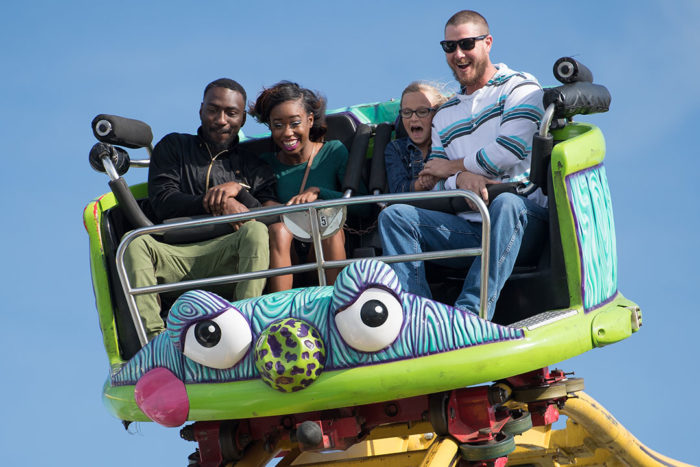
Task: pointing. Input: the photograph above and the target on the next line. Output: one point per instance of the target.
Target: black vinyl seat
(114, 225)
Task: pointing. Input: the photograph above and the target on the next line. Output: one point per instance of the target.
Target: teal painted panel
(595, 228)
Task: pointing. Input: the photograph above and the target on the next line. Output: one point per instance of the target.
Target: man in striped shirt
(480, 137)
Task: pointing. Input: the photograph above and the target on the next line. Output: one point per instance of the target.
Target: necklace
(211, 164)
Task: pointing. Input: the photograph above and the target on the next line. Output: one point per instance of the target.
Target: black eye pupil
(374, 313)
(207, 333)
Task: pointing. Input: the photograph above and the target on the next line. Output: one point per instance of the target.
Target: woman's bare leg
(280, 246)
(334, 250)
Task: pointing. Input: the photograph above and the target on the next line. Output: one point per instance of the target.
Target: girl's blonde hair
(434, 90)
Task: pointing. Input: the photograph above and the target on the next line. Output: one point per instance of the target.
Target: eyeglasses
(422, 112)
(465, 44)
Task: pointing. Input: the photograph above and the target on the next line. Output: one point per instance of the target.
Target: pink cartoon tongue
(162, 397)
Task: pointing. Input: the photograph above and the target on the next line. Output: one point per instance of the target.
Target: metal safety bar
(140, 162)
(547, 120)
(320, 265)
(110, 170)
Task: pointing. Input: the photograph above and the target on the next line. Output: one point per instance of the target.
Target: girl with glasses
(404, 157)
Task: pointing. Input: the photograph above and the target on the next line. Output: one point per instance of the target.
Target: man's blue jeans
(405, 229)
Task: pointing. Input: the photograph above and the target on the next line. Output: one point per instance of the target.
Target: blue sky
(64, 62)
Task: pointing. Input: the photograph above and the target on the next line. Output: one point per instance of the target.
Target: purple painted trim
(603, 303)
(210, 381)
(198, 319)
(578, 240)
(365, 287)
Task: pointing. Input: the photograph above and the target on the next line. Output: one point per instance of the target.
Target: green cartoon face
(290, 337)
(290, 340)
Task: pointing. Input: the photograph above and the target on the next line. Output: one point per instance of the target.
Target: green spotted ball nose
(290, 354)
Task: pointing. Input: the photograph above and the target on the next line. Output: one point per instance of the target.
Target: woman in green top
(306, 167)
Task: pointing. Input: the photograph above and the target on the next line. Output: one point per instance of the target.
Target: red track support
(207, 436)
(470, 415)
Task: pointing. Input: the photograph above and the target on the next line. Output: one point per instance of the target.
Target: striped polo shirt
(491, 129)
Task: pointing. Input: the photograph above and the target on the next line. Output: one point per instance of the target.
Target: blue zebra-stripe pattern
(595, 229)
(190, 308)
(360, 276)
(428, 327)
(310, 305)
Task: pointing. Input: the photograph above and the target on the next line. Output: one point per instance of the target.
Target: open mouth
(416, 130)
(290, 145)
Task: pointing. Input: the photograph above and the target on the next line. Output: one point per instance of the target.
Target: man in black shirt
(201, 174)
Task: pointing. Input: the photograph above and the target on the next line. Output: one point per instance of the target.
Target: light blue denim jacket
(403, 161)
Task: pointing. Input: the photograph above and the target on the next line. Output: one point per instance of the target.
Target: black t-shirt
(178, 169)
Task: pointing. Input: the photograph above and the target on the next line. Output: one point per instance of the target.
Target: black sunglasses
(467, 43)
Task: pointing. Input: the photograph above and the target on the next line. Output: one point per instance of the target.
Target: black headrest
(342, 127)
(578, 98)
(122, 131)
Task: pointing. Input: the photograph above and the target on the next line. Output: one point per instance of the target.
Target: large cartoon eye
(372, 323)
(220, 342)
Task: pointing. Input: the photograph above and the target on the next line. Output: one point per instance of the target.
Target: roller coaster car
(362, 353)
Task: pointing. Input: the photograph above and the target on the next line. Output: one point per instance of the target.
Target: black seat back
(535, 287)
(377, 178)
(342, 127)
(115, 224)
